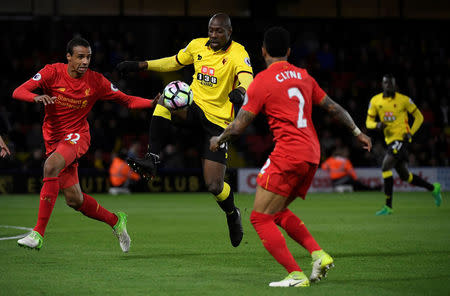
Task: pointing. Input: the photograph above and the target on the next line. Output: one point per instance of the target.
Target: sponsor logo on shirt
(206, 76)
(71, 103)
(113, 87)
(87, 91)
(389, 116)
(37, 77)
(62, 89)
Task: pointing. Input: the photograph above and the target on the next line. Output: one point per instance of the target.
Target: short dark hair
(389, 76)
(277, 41)
(76, 41)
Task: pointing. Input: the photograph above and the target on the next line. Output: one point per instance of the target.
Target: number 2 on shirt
(295, 92)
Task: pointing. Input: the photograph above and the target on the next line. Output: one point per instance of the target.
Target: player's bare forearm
(242, 121)
(344, 117)
(339, 113)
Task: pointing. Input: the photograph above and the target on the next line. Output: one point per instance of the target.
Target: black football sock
(225, 199)
(388, 189)
(418, 181)
(158, 134)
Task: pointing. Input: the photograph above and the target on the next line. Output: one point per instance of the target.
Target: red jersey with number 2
(285, 94)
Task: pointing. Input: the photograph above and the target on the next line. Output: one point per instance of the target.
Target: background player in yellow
(392, 110)
(222, 75)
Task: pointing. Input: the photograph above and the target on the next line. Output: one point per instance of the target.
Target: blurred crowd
(347, 57)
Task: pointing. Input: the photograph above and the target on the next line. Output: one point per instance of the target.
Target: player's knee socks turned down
(388, 180)
(273, 240)
(225, 199)
(48, 195)
(296, 229)
(159, 127)
(92, 209)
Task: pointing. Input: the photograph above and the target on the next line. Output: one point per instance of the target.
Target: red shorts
(285, 177)
(72, 147)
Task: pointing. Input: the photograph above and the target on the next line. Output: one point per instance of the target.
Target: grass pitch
(180, 246)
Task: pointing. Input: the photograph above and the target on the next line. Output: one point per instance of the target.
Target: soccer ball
(177, 94)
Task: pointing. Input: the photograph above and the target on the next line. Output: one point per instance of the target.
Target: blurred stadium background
(180, 244)
(347, 45)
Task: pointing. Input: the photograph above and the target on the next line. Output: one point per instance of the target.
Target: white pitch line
(17, 236)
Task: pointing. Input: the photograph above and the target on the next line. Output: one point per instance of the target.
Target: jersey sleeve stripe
(244, 72)
(178, 61)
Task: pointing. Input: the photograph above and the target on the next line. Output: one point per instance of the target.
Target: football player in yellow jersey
(222, 74)
(392, 110)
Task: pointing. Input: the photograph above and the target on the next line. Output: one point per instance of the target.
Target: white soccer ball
(177, 94)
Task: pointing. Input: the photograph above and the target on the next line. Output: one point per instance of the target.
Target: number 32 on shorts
(72, 138)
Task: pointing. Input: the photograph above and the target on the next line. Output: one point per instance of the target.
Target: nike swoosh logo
(295, 283)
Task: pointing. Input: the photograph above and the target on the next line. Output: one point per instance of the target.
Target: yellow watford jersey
(215, 76)
(394, 113)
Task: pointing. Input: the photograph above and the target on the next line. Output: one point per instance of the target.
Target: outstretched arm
(340, 114)
(160, 65)
(25, 93)
(243, 119)
(132, 102)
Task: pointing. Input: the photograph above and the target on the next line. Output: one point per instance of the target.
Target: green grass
(180, 246)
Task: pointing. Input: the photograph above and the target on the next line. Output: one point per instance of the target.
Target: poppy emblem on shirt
(113, 87)
(37, 77)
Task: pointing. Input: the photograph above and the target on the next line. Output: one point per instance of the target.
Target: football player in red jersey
(69, 93)
(286, 94)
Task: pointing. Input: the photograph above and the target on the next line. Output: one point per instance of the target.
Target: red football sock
(92, 209)
(296, 229)
(49, 193)
(273, 240)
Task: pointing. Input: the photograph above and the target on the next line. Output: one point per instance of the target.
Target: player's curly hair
(277, 41)
(76, 41)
